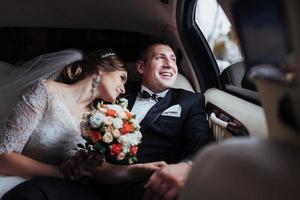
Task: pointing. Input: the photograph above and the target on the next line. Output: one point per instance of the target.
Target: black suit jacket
(169, 138)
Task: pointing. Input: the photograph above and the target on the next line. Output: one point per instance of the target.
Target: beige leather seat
(244, 169)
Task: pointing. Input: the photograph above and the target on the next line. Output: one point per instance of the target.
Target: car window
(218, 32)
(225, 46)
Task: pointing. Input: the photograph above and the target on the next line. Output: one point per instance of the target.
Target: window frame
(196, 46)
(200, 54)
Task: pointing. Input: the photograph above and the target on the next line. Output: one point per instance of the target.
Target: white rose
(116, 133)
(121, 156)
(108, 120)
(124, 140)
(125, 149)
(122, 115)
(138, 135)
(103, 110)
(117, 123)
(133, 139)
(107, 137)
(114, 107)
(96, 119)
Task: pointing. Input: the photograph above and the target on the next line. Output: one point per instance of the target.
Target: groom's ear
(140, 66)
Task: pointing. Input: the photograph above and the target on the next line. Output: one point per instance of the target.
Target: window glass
(218, 32)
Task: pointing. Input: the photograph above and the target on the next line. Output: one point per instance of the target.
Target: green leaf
(134, 159)
(102, 127)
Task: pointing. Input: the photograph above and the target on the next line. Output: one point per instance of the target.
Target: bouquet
(111, 130)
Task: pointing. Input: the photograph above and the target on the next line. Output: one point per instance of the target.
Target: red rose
(111, 113)
(128, 114)
(115, 149)
(95, 136)
(127, 128)
(133, 150)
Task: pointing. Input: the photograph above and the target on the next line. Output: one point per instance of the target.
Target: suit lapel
(156, 111)
(131, 99)
(131, 94)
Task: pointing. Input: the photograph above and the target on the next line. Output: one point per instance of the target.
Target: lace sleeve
(23, 119)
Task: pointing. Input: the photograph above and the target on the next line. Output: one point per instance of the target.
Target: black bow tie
(146, 95)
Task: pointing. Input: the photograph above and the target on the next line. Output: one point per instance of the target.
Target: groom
(174, 127)
(173, 123)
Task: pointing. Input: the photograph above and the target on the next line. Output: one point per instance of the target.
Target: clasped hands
(164, 183)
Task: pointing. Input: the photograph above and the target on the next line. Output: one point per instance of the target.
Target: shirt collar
(161, 94)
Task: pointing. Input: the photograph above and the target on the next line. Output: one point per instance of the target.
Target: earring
(95, 84)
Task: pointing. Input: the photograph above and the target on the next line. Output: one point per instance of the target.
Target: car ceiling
(156, 18)
(144, 16)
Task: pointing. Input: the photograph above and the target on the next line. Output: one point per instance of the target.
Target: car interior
(50, 26)
(235, 105)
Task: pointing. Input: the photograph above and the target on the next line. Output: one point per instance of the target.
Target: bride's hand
(146, 168)
(82, 164)
(113, 173)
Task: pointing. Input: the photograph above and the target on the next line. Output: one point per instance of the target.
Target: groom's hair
(145, 50)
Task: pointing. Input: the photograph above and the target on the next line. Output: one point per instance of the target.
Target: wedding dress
(39, 126)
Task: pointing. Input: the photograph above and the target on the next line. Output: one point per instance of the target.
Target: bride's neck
(81, 92)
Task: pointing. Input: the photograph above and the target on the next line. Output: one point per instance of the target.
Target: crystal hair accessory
(108, 54)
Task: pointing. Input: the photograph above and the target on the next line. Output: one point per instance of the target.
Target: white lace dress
(40, 127)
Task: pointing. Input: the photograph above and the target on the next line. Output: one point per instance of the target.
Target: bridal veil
(15, 79)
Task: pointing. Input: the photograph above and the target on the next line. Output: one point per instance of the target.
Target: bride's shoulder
(42, 87)
(37, 92)
(51, 85)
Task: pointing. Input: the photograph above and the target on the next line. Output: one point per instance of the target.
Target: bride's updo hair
(99, 59)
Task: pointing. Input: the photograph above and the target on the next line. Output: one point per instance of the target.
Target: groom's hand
(166, 182)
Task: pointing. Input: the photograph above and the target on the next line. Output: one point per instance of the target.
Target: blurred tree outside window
(218, 32)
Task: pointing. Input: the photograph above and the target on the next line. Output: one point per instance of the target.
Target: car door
(233, 107)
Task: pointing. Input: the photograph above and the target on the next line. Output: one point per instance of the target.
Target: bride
(41, 124)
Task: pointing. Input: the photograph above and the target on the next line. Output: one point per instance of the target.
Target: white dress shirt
(142, 106)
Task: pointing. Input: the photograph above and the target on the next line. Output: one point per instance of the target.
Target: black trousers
(48, 188)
